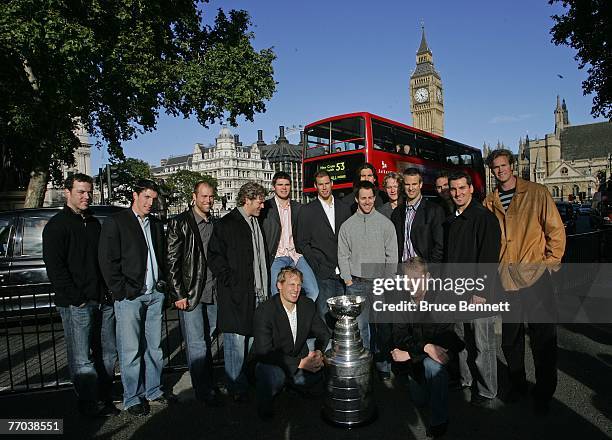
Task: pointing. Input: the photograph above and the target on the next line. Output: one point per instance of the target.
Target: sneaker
(164, 400)
(139, 410)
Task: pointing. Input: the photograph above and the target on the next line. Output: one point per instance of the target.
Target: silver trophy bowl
(348, 401)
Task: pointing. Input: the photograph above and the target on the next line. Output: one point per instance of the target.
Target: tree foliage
(127, 172)
(586, 26)
(111, 66)
(179, 186)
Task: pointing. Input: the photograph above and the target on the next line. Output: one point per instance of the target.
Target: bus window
(382, 135)
(336, 136)
(428, 148)
(405, 142)
(454, 155)
(466, 159)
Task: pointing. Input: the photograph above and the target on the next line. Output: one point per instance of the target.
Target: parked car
(567, 215)
(24, 287)
(601, 217)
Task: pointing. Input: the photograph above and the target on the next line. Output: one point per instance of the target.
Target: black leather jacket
(186, 259)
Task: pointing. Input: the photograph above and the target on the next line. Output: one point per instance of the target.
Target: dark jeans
(270, 380)
(328, 288)
(434, 391)
(89, 333)
(198, 327)
(527, 304)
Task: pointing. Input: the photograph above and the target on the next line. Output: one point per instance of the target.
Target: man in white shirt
(281, 326)
(317, 239)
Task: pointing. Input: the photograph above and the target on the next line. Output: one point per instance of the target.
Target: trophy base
(350, 422)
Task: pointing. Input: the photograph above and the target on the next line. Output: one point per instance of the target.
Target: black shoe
(541, 407)
(108, 410)
(437, 431)
(212, 400)
(89, 408)
(139, 410)
(482, 402)
(164, 400)
(265, 412)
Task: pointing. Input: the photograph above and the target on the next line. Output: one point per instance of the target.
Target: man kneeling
(425, 343)
(281, 326)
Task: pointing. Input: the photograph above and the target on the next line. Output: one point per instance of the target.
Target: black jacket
(273, 342)
(230, 256)
(269, 219)
(123, 253)
(187, 265)
(472, 242)
(316, 240)
(426, 233)
(414, 334)
(70, 253)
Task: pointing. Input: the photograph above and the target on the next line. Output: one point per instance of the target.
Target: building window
(564, 171)
(576, 190)
(555, 191)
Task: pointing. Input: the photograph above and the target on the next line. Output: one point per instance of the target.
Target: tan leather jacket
(533, 235)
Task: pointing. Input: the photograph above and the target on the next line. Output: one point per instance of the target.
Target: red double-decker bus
(340, 144)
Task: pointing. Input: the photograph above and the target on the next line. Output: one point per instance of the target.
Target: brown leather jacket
(533, 234)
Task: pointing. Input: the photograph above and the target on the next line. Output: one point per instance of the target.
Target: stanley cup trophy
(348, 401)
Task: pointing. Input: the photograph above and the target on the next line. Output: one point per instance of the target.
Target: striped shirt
(505, 197)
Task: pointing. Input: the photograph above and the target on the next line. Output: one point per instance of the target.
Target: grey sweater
(367, 246)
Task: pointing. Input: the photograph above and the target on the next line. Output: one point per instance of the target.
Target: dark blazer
(426, 233)
(187, 265)
(473, 239)
(413, 336)
(123, 253)
(273, 342)
(269, 219)
(230, 257)
(316, 239)
(70, 253)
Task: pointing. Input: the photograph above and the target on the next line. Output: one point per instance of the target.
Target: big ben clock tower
(426, 93)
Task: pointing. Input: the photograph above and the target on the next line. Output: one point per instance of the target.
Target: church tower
(426, 93)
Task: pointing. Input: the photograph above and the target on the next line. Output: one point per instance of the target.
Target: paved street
(582, 408)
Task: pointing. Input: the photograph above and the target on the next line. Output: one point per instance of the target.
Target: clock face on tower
(439, 95)
(421, 95)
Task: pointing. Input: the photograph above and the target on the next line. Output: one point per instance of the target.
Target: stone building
(426, 92)
(568, 160)
(228, 161)
(284, 156)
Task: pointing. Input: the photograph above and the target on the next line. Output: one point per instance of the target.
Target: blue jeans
(362, 288)
(234, 353)
(197, 333)
(328, 288)
(309, 284)
(89, 334)
(480, 353)
(139, 325)
(270, 380)
(433, 391)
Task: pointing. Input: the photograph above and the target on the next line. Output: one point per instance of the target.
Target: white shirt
(292, 315)
(331, 216)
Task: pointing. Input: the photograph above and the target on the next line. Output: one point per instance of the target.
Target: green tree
(587, 27)
(179, 186)
(127, 172)
(111, 67)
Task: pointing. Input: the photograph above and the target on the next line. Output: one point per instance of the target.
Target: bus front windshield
(335, 136)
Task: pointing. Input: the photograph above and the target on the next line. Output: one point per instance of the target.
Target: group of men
(262, 274)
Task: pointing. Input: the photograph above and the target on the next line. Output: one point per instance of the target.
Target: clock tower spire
(426, 92)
